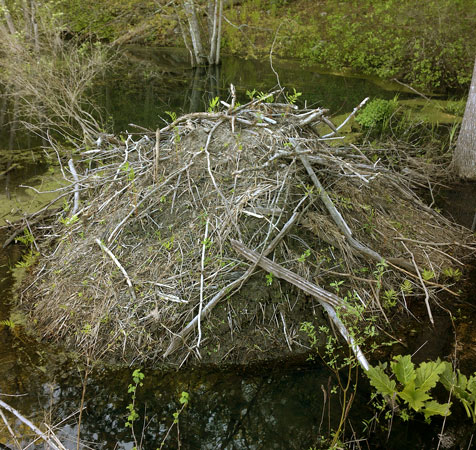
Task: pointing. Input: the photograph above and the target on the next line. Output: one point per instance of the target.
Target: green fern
(8, 323)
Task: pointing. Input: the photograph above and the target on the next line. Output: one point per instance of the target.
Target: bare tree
(464, 158)
(195, 35)
(202, 42)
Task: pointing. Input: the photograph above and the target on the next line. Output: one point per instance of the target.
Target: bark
(213, 31)
(220, 19)
(464, 158)
(194, 28)
(8, 18)
(27, 19)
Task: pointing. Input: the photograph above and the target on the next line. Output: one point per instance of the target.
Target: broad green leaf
(433, 408)
(428, 374)
(415, 398)
(380, 381)
(403, 369)
(462, 380)
(472, 387)
(448, 377)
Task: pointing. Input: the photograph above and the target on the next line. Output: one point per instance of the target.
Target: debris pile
(159, 252)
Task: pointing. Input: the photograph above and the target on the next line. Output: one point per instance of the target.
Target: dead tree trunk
(195, 35)
(215, 8)
(464, 158)
(205, 43)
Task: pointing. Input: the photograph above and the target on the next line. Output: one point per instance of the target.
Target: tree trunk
(213, 8)
(220, 18)
(195, 36)
(8, 17)
(464, 158)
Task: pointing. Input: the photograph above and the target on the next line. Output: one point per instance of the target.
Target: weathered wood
(464, 157)
(29, 424)
(325, 298)
(342, 224)
(281, 272)
(76, 187)
(119, 265)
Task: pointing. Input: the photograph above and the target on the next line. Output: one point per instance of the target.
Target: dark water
(149, 83)
(275, 407)
(460, 203)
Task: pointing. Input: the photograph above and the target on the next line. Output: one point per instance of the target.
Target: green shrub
(377, 113)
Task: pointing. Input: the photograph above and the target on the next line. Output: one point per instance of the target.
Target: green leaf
(448, 377)
(433, 408)
(380, 381)
(462, 381)
(472, 386)
(415, 398)
(184, 397)
(428, 374)
(403, 369)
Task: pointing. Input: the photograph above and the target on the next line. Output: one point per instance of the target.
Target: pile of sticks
(161, 228)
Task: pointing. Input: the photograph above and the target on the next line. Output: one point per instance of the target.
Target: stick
(9, 428)
(427, 295)
(352, 114)
(321, 294)
(76, 187)
(31, 426)
(118, 264)
(180, 337)
(202, 268)
(325, 298)
(341, 223)
(13, 166)
(156, 162)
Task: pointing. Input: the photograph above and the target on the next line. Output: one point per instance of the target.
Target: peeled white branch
(118, 264)
(76, 187)
(33, 427)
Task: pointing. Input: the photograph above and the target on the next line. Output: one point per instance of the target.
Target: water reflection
(227, 410)
(147, 83)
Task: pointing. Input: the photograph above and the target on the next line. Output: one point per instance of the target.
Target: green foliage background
(429, 43)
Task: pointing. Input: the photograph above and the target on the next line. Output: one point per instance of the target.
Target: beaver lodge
(218, 235)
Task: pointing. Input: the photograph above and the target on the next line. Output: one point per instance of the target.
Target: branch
(118, 264)
(32, 426)
(325, 298)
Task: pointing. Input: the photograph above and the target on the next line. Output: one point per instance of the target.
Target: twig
(271, 55)
(202, 268)
(9, 428)
(157, 148)
(118, 264)
(30, 425)
(427, 295)
(76, 187)
(411, 89)
(352, 114)
(12, 167)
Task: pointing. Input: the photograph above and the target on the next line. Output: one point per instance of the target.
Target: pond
(284, 405)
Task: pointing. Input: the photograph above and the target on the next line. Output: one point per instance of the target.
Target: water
(280, 406)
(149, 83)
